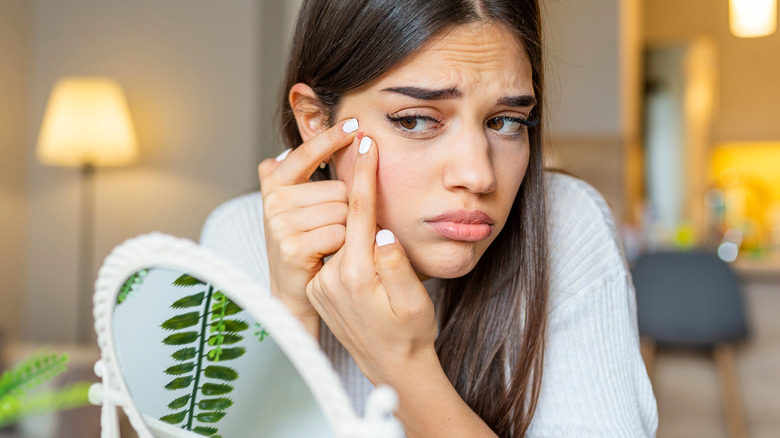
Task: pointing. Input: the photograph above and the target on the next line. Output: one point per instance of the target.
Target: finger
(303, 195)
(361, 219)
(308, 218)
(306, 250)
(298, 166)
(265, 168)
(406, 294)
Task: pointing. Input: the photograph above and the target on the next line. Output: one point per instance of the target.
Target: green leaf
(221, 373)
(179, 402)
(177, 370)
(179, 383)
(181, 338)
(227, 339)
(204, 430)
(187, 281)
(174, 418)
(181, 321)
(38, 368)
(215, 404)
(226, 353)
(185, 354)
(229, 326)
(215, 388)
(189, 301)
(231, 308)
(210, 417)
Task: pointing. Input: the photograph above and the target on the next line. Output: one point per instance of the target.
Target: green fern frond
(224, 339)
(180, 369)
(189, 301)
(207, 431)
(174, 418)
(181, 338)
(216, 388)
(179, 322)
(210, 417)
(185, 354)
(13, 408)
(131, 285)
(187, 281)
(220, 354)
(38, 368)
(215, 404)
(179, 402)
(179, 383)
(220, 373)
(230, 325)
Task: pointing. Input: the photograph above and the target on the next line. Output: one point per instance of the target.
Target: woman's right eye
(414, 124)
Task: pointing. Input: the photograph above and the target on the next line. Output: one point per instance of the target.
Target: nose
(469, 166)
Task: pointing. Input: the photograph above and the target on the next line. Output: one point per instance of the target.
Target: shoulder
(234, 230)
(584, 244)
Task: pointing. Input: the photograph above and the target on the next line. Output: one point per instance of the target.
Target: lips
(462, 225)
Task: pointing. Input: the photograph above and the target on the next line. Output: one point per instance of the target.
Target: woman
(493, 299)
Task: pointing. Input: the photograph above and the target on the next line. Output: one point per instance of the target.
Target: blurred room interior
(656, 103)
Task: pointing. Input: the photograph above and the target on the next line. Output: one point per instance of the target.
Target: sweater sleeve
(594, 382)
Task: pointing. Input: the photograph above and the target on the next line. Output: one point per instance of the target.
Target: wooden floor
(686, 382)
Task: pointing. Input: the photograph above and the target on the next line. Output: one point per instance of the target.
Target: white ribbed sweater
(594, 382)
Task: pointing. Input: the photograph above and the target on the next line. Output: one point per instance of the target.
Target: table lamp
(752, 18)
(86, 124)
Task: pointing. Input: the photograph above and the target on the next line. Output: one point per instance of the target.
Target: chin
(448, 266)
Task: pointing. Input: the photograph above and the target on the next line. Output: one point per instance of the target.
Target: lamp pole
(84, 330)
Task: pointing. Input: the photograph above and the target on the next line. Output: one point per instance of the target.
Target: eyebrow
(454, 93)
(427, 93)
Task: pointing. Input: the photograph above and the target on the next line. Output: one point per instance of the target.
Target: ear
(309, 114)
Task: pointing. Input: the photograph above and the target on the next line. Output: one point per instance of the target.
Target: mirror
(193, 358)
(191, 346)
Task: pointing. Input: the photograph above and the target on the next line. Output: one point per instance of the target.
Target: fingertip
(365, 145)
(266, 167)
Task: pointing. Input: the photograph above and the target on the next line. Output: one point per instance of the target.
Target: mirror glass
(193, 360)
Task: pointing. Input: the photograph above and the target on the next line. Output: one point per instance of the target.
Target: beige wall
(592, 74)
(749, 88)
(15, 16)
(190, 69)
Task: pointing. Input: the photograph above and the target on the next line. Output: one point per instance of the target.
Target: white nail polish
(365, 145)
(351, 126)
(385, 237)
(283, 155)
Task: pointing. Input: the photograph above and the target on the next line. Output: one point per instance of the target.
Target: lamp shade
(87, 123)
(752, 18)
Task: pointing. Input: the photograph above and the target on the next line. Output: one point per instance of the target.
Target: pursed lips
(462, 225)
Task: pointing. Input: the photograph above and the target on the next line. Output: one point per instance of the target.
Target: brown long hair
(492, 320)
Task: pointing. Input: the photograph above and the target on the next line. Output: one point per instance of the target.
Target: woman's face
(453, 149)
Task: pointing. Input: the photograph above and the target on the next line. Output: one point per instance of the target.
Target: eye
(508, 125)
(414, 124)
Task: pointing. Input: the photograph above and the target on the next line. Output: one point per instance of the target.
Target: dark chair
(693, 299)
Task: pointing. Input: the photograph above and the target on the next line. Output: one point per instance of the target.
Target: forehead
(467, 55)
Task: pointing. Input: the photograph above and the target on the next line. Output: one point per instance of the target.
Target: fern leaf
(130, 285)
(221, 373)
(224, 339)
(174, 418)
(215, 404)
(210, 417)
(180, 369)
(38, 368)
(229, 326)
(189, 301)
(181, 321)
(216, 388)
(230, 308)
(187, 281)
(204, 430)
(220, 354)
(184, 354)
(179, 402)
(181, 338)
(179, 383)
(74, 395)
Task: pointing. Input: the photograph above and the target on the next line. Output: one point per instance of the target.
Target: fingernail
(283, 155)
(351, 126)
(365, 145)
(384, 237)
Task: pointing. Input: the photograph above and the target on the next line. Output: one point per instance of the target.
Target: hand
(303, 221)
(369, 295)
